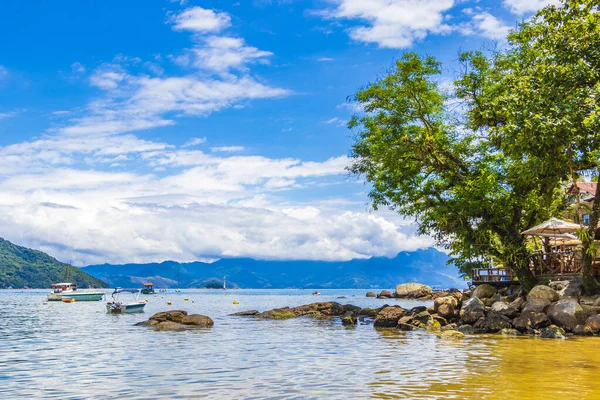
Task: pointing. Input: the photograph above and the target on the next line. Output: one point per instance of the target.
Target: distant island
(21, 267)
(429, 266)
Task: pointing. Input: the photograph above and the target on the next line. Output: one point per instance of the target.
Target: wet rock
(385, 294)
(472, 310)
(536, 305)
(169, 326)
(249, 313)
(505, 309)
(349, 320)
(406, 323)
(442, 321)
(418, 309)
(452, 335)
(371, 294)
(568, 288)
(446, 311)
(488, 302)
(542, 292)
(517, 303)
(177, 320)
(174, 315)
(582, 330)
(388, 317)
(493, 322)
(510, 332)
(466, 329)
(484, 291)
(368, 312)
(278, 314)
(433, 325)
(531, 320)
(593, 322)
(413, 290)
(449, 327)
(422, 317)
(566, 313)
(552, 332)
(448, 300)
(351, 308)
(197, 320)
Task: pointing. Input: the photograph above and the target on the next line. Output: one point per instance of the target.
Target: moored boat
(82, 295)
(116, 307)
(58, 288)
(148, 288)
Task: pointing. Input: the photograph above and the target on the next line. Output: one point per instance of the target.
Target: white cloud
(227, 149)
(194, 142)
(486, 25)
(521, 7)
(325, 59)
(3, 72)
(221, 53)
(8, 114)
(77, 68)
(391, 23)
(200, 20)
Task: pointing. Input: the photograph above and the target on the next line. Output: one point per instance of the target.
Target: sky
(147, 130)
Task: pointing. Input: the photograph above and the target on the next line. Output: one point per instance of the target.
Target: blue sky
(151, 130)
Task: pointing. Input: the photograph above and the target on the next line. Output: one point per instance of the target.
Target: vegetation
(21, 267)
(213, 285)
(477, 166)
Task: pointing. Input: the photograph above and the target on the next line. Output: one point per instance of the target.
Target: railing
(487, 275)
(556, 263)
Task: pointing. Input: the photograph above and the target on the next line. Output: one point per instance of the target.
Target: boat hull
(126, 308)
(54, 297)
(83, 296)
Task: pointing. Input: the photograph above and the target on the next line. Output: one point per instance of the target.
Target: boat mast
(225, 282)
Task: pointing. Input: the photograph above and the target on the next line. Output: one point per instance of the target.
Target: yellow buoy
(186, 299)
(168, 303)
(73, 300)
(146, 300)
(235, 302)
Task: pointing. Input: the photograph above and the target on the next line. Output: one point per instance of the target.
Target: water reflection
(78, 351)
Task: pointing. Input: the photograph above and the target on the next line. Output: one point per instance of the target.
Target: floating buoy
(235, 302)
(73, 300)
(168, 303)
(146, 300)
(186, 299)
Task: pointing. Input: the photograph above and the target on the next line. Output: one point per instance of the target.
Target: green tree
(539, 99)
(458, 186)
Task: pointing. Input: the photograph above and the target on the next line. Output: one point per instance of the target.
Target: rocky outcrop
(472, 310)
(566, 313)
(593, 322)
(385, 294)
(371, 294)
(388, 317)
(177, 320)
(413, 291)
(505, 309)
(529, 321)
(492, 322)
(542, 292)
(484, 291)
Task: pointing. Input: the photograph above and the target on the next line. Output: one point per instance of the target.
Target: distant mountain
(425, 266)
(21, 267)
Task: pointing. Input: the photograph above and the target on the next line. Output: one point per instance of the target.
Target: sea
(54, 350)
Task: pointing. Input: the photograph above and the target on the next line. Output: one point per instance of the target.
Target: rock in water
(177, 320)
(505, 309)
(472, 310)
(544, 293)
(552, 332)
(245, 313)
(450, 334)
(536, 305)
(413, 290)
(531, 320)
(388, 317)
(385, 294)
(371, 294)
(492, 323)
(484, 291)
(566, 313)
(593, 322)
(349, 320)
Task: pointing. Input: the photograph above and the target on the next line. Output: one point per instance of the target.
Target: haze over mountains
(426, 266)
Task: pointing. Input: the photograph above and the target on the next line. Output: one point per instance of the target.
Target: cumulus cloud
(393, 24)
(200, 20)
(521, 7)
(227, 149)
(486, 25)
(194, 142)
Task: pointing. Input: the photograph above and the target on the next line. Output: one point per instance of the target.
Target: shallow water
(77, 351)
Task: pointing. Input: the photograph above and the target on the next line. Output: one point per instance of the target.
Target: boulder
(442, 321)
(197, 320)
(177, 320)
(466, 329)
(446, 300)
(413, 290)
(472, 310)
(450, 334)
(493, 322)
(535, 305)
(531, 320)
(385, 294)
(484, 291)
(517, 303)
(590, 310)
(173, 315)
(542, 292)
(582, 330)
(505, 309)
(566, 313)
(388, 317)
(417, 309)
(593, 322)
(568, 288)
(169, 326)
(371, 294)
(510, 332)
(349, 320)
(250, 313)
(278, 313)
(597, 302)
(449, 327)
(552, 332)
(488, 301)
(422, 317)
(406, 323)
(446, 311)
(368, 312)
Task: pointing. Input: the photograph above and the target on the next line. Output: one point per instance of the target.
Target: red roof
(589, 187)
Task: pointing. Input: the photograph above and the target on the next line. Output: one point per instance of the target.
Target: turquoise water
(72, 351)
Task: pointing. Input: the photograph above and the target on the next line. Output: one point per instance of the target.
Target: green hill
(21, 267)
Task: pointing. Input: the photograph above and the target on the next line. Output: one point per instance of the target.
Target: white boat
(82, 295)
(58, 288)
(117, 307)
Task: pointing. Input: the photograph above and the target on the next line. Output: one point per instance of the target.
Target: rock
(582, 330)
(169, 326)
(349, 320)
(484, 291)
(446, 311)
(388, 317)
(505, 309)
(517, 303)
(531, 320)
(245, 313)
(466, 329)
(497, 297)
(472, 310)
(201, 321)
(493, 322)
(413, 290)
(279, 314)
(590, 310)
(449, 327)
(368, 312)
(371, 294)
(568, 288)
(433, 325)
(418, 309)
(385, 294)
(593, 322)
(510, 332)
(449, 334)
(566, 313)
(536, 305)
(406, 323)
(351, 308)
(341, 297)
(449, 300)
(552, 332)
(442, 321)
(173, 315)
(597, 302)
(422, 317)
(542, 292)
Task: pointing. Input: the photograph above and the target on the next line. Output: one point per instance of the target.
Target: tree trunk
(590, 285)
(523, 273)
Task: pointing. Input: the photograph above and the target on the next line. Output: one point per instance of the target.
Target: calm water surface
(77, 351)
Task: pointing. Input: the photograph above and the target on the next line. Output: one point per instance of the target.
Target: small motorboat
(148, 288)
(316, 293)
(117, 307)
(58, 288)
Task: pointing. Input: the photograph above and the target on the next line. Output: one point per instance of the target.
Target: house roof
(588, 187)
